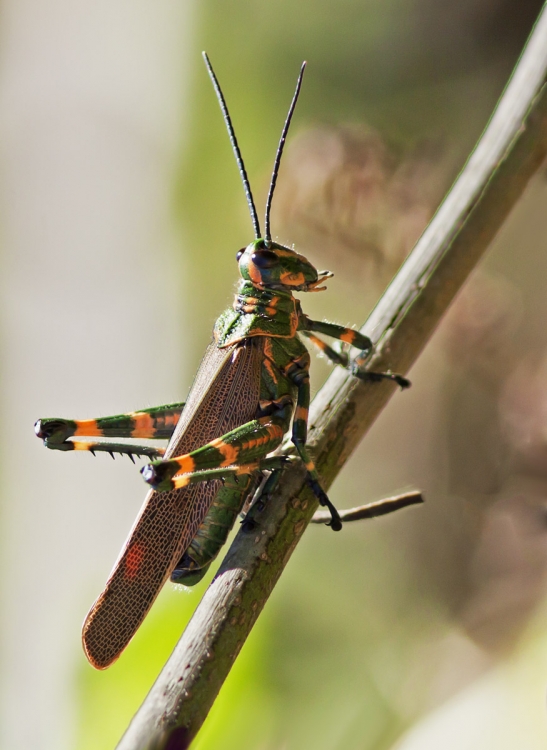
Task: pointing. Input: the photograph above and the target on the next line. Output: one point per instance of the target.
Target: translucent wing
(224, 395)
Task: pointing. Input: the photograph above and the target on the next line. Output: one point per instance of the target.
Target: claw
(55, 433)
(376, 377)
(38, 429)
(159, 475)
(321, 495)
(402, 382)
(59, 429)
(149, 474)
(248, 525)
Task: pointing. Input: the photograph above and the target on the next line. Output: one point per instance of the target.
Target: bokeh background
(121, 214)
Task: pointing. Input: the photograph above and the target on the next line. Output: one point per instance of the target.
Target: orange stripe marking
(318, 342)
(292, 279)
(169, 420)
(230, 452)
(256, 443)
(80, 445)
(268, 349)
(271, 309)
(186, 463)
(301, 413)
(144, 424)
(294, 323)
(254, 274)
(348, 337)
(87, 428)
(271, 372)
(274, 430)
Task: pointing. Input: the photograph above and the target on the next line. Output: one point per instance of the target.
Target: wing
(224, 395)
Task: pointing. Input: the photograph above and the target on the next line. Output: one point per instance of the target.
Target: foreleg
(337, 358)
(353, 338)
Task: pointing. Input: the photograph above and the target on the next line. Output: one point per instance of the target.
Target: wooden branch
(512, 148)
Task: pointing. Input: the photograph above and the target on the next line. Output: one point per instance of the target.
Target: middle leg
(298, 372)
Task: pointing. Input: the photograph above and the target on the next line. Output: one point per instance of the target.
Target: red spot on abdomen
(133, 560)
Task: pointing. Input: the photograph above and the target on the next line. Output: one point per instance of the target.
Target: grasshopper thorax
(268, 265)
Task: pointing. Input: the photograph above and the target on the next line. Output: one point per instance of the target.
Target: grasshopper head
(275, 266)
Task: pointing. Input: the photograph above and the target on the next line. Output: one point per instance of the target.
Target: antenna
(235, 147)
(279, 152)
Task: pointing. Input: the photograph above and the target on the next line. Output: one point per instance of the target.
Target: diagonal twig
(372, 510)
(510, 151)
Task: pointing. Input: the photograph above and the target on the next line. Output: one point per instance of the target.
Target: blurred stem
(510, 151)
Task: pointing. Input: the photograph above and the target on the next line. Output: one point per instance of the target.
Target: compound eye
(264, 258)
(240, 253)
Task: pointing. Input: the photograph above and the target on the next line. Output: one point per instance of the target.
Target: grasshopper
(252, 383)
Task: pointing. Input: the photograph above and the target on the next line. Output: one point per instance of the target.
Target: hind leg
(157, 422)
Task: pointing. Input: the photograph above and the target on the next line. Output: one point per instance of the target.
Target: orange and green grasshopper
(253, 383)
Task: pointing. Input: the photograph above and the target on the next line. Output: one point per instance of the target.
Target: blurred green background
(421, 630)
